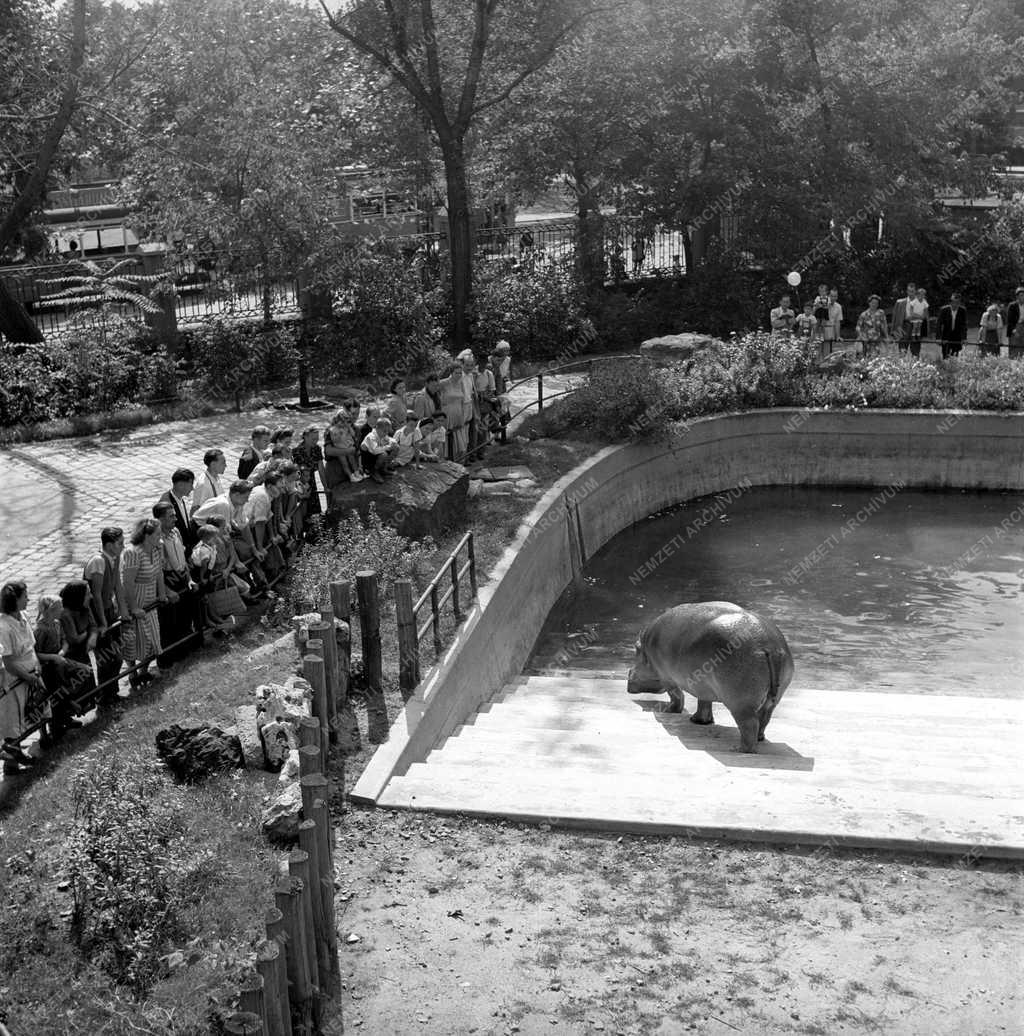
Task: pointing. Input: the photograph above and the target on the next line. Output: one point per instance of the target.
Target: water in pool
(887, 591)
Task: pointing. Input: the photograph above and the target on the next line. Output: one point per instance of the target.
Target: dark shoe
(17, 754)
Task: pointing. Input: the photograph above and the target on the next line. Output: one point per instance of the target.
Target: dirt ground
(453, 925)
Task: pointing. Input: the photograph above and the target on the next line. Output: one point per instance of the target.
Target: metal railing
(587, 362)
(410, 631)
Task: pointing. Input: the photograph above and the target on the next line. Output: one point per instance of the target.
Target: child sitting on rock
(379, 450)
(434, 444)
(410, 443)
(341, 461)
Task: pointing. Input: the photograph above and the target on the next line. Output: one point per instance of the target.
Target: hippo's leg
(749, 724)
(675, 699)
(763, 715)
(703, 715)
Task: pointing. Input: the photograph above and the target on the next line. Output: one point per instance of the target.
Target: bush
(354, 546)
(229, 356)
(383, 318)
(103, 366)
(625, 398)
(535, 303)
(133, 869)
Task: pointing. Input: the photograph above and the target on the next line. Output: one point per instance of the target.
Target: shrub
(229, 356)
(355, 545)
(133, 870)
(625, 399)
(383, 318)
(535, 303)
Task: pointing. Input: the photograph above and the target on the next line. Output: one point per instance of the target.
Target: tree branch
(30, 194)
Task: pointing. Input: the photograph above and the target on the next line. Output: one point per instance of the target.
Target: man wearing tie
(182, 482)
(952, 326)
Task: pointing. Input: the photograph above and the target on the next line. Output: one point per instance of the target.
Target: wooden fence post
(309, 732)
(347, 725)
(299, 871)
(251, 997)
(271, 966)
(300, 985)
(314, 672)
(309, 759)
(369, 624)
(309, 843)
(324, 629)
(408, 641)
(243, 1023)
(325, 846)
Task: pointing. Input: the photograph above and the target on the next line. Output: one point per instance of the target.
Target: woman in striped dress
(143, 580)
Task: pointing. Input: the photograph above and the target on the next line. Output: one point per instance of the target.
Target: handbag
(227, 601)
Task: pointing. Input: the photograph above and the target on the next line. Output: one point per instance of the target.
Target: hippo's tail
(773, 680)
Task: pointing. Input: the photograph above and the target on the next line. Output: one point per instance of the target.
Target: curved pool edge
(621, 485)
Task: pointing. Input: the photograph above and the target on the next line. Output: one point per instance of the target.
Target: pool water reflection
(925, 595)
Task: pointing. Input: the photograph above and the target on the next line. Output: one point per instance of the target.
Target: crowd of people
(912, 322)
(211, 546)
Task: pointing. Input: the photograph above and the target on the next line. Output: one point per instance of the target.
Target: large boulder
(192, 753)
(417, 502)
(675, 348)
(281, 818)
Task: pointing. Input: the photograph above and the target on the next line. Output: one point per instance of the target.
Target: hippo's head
(641, 677)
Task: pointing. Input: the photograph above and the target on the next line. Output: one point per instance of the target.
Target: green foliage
(355, 545)
(229, 356)
(626, 399)
(383, 317)
(113, 365)
(133, 870)
(535, 303)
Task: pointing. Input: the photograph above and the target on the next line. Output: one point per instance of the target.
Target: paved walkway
(57, 495)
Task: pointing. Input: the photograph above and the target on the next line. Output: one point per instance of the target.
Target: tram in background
(87, 219)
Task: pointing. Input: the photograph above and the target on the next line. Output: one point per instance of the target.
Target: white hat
(466, 354)
(502, 346)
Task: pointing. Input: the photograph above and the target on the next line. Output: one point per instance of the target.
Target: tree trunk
(460, 238)
(590, 241)
(30, 194)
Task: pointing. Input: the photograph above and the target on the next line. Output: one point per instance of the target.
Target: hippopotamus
(716, 651)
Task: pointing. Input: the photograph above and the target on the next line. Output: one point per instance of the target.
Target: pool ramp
(914, 772)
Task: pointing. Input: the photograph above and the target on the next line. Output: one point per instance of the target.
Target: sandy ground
(451, 925)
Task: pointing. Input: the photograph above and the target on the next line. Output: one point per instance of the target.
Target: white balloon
(793, 279)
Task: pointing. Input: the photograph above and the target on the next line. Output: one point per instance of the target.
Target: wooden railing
(410, 631)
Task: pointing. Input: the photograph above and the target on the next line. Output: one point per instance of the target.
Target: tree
(458, 62)
(37, 103)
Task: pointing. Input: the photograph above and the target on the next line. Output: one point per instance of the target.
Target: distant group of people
(454, 416)
(912, 322)
(213, 545)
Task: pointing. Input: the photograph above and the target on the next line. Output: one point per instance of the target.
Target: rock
(286, 707)
(506, 488)
(278, 740)
(192, 753)
(290, 770)
(474, 487)
(247, 724)
(525, 484)
(502, 474)
(675, 348)
(418, 503)
(280, 820)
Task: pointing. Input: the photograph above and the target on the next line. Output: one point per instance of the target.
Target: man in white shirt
(179, 618)
(260, 509)
(782, 316)
(212, 482)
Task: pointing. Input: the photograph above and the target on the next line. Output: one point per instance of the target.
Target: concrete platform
(924, 773)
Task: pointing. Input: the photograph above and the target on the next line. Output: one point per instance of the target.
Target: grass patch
(182, 874)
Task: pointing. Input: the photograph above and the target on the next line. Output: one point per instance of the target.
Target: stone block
(280, 820)
(675, 348)
(247, 726)
(417, 502)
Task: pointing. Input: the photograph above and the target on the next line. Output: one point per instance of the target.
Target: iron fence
(237, 287)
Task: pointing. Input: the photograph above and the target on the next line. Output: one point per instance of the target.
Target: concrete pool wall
(621, 485)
